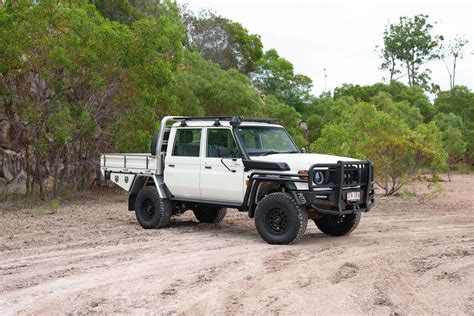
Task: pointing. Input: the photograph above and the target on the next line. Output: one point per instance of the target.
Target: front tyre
(151, 210)
(279, 219)
(338, 225)
(210, 215)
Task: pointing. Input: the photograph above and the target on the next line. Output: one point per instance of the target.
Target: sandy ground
(406, 257)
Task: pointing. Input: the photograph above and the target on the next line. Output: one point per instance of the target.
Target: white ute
(209, 164)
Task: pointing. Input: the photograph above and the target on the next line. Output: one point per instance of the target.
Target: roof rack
(234, 120)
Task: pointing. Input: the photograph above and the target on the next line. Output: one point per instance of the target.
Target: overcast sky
(341, 36)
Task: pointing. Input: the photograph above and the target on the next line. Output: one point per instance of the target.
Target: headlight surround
(319, 177)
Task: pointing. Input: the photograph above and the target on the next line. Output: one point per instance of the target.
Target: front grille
(352, 175)
(346, 174)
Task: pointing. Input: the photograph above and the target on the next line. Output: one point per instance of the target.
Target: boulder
(18, 184)
(11, 164)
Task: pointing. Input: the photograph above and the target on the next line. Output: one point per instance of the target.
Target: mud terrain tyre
(210, 215)
(152, 211)
(279, 219)
(338, 225)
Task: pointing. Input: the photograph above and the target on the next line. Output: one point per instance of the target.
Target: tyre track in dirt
(92, 257)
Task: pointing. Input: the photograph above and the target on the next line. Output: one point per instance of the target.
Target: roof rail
(234, 119)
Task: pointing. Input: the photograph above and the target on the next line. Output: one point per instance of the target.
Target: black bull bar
(329, 195)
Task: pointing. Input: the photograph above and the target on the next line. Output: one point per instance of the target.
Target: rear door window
(187, 142)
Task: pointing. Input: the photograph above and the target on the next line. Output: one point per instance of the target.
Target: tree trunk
(454, 73)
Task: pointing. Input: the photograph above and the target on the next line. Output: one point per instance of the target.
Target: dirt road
(92, 257)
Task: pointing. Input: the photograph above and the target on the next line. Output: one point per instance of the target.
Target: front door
(183, 164)
(222, 170)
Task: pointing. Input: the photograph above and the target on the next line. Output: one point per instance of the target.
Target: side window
(187, 143)
(221, 144)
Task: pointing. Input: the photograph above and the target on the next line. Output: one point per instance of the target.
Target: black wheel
(279, 219)
(154, 142)
(151, 210)
(210, 215)
(338, 225)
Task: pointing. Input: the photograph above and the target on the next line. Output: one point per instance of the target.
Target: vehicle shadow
(243, 232)
(227, 230)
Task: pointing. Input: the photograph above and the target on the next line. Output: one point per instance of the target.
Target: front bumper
(329, 197)
(342, 178)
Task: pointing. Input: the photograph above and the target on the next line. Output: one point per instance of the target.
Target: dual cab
(209, 164)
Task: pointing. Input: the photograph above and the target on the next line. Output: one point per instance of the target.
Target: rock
(5, 140)
(18, 184)
(50, 184)
(11, 164)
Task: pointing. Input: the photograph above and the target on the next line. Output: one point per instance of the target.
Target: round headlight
(318, 177)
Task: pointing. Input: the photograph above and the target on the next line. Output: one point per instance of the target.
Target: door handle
(208, 167)
(170, 165)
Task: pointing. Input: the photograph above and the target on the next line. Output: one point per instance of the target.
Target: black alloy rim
(148, 208)
(277, 220)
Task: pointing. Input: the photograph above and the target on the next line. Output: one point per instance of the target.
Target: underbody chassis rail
(330, 196)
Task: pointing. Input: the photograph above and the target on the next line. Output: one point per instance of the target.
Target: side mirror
(224, 152)
(303, 150)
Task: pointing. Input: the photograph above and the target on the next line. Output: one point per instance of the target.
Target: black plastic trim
(250, 164)
(206, 202)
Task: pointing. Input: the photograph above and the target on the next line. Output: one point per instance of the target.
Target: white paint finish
(181, 174)
(123, 180)
(128, 163)
(217, 182)
(220, 184)
(302, 161)
(183, 179)
(190, 179)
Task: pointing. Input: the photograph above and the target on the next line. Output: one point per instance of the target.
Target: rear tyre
(279, 219)
(336, 225)
(152, 211)
(210, 215)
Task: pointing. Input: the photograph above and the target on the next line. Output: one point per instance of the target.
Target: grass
(51, 207)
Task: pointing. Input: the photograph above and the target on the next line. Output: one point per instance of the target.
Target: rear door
(183, 163)
(222, 171)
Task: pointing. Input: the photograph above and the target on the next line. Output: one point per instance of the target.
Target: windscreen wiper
(271, 152)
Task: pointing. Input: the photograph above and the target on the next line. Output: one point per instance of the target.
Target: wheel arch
(263, 188)
(142, 181)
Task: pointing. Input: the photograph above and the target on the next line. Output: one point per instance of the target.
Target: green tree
(398, 152)
(275, 75)
(129, 11)
(202, 87)
(453, 133)
(410, 43)
(287, 116)
(71, 81)
(459, 101)
(117, 10)
(223, 41)
(403, 110)
(397, 91)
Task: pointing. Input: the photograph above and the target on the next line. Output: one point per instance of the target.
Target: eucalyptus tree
(407, 46)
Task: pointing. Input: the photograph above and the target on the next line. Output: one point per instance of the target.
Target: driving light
(318, 177)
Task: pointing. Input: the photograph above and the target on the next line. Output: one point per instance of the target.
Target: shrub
(398, 152)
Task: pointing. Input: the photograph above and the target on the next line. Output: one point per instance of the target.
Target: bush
(398, 152)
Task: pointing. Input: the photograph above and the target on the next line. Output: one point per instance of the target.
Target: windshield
(265, 140)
